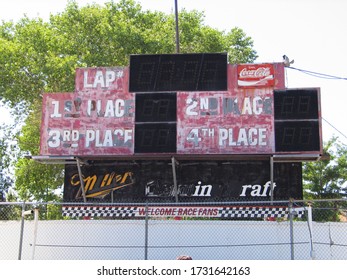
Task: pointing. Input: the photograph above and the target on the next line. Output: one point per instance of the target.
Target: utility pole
(177, 32)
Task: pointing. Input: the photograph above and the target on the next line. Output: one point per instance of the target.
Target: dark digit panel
(297, 136)
(178, 72)
(156, 107)
(155, 138)
(296, 104)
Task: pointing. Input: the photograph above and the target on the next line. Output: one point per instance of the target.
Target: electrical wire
(334, 127)
(318, 75)
(322, 76)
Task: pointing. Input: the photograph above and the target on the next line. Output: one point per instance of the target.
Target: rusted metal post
(81, 180)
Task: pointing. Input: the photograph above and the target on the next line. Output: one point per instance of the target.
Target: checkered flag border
(99, 211)
(225, 212)
(256, 212)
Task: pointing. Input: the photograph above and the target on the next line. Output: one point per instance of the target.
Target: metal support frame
(173, 163)
(272, 178)
(291, 229)
(81, 180)
(146, 232)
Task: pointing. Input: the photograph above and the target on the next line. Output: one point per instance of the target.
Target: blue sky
(312, 32)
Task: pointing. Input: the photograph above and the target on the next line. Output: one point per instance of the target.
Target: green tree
(5, 179)
(38, 57)
(327, 179)
(7, 139)
(35, 181)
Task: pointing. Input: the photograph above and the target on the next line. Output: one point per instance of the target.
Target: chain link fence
(237, 230)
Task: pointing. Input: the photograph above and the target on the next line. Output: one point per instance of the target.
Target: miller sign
(207, 181)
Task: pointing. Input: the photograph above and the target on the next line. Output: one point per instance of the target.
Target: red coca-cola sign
(255, 75)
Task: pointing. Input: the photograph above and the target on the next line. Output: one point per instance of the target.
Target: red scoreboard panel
(96, 119)
(181, 105)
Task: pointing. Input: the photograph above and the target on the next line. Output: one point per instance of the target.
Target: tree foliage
(42, 56)
(5, 161)
(7, 156)
(327, 178)
(38, 57)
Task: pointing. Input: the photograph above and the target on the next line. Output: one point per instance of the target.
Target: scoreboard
(182, 105)
(224, 124)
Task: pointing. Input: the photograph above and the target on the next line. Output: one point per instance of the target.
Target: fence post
(310, 228)
(21, 232)
(36, 219)
(291, 229)
(146, 233)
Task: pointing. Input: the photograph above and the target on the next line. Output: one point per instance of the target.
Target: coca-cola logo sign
(255, 75)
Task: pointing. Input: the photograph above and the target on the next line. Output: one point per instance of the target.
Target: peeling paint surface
(98, 118)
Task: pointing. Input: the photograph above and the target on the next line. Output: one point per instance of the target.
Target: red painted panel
(237, 121)
(101, 79)
(93, 121)
(98, 118)
(225, 122)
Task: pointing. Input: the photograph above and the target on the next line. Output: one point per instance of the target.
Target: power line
(318, 75)
(334, 128)
(322, 76)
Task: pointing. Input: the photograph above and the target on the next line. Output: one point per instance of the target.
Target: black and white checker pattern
(252, 212)
(256, 212)
(99, 211)
(225, 212)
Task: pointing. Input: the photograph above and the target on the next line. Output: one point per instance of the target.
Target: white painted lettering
(244, 189)
(262, 137)
(109, 111)
(257, 190)
(119, 108)
(85, 80)
(99, 79)
(128, 135)
(223, 135)
(56, 113)
(90, 137)
(247, 108)
(242, 137)
(257, 110)
(98, 143)
(253, 136)
(110, 77)
(192, 104)
(204, 103)
(54, 138)
(108, 141)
